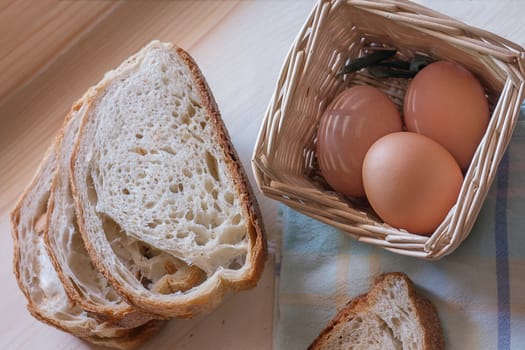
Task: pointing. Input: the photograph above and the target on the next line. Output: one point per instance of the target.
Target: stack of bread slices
(140, 210)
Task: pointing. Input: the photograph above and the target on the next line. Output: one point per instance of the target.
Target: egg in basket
(288, 157)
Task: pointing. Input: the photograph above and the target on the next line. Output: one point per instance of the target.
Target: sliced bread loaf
(47, 299)
(82, 281)
(390, 316)
(163, 206)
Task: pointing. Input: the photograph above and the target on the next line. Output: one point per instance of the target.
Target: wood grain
(239, 45)
(35, 33)
(33, 115)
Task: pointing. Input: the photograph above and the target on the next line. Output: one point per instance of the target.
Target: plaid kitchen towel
(479, 290)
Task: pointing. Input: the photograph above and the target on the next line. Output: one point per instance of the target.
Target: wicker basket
(284, 160)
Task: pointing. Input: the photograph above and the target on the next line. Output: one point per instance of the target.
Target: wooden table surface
(51, 51)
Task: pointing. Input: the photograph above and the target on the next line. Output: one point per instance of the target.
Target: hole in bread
(234, 265)
(175, 188)
(229, 198)
(168, 236)
(111, 295)
(145, 251)
(182, 234)
(168, 150)
(146, 282)
(140, 151)
(237, 263)
(154, 223)
(396, 323)
(202, 124)
(211, 163)
(40, 224)
(110, 227)
(182, 279)
(195, 103)
(91, 192)
(153, 268)
(185, 119)
(207, 220)
(191, 110)
(189, 215)
(177, 102)
(125, 191)
(174, 114)
(174, 126)
(163, 68)
(236, 219)
(139, 136)
(196, 137)
(149, 205)
(187, 173)
(208, 186)
(201, 236)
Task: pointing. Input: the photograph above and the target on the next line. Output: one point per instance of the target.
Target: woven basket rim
(504, 59)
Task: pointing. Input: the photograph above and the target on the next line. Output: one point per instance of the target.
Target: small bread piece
(82, 281)
(163, 206)
(47, 299)
(390, 316)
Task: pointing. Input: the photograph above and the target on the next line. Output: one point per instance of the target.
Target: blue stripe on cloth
(502, 256)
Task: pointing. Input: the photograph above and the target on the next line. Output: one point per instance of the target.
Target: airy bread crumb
(154, 170)
(390, 316)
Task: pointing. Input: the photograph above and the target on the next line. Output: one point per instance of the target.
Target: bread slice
(390, 316)
(82, 281)
(163, 206)
(47, 300)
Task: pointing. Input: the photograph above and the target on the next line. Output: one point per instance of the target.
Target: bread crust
(427, 315)
(257, 233)
(118, 337)
(199, 303)
(426, 311)
(15, 218)
(352, 309)
(121, 315)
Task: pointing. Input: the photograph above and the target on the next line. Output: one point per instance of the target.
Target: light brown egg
(411, 181)
(447, 103)
(354, 120)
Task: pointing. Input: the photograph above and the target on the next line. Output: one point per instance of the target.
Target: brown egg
(447, 103)
(411, 181)
(354, 120)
